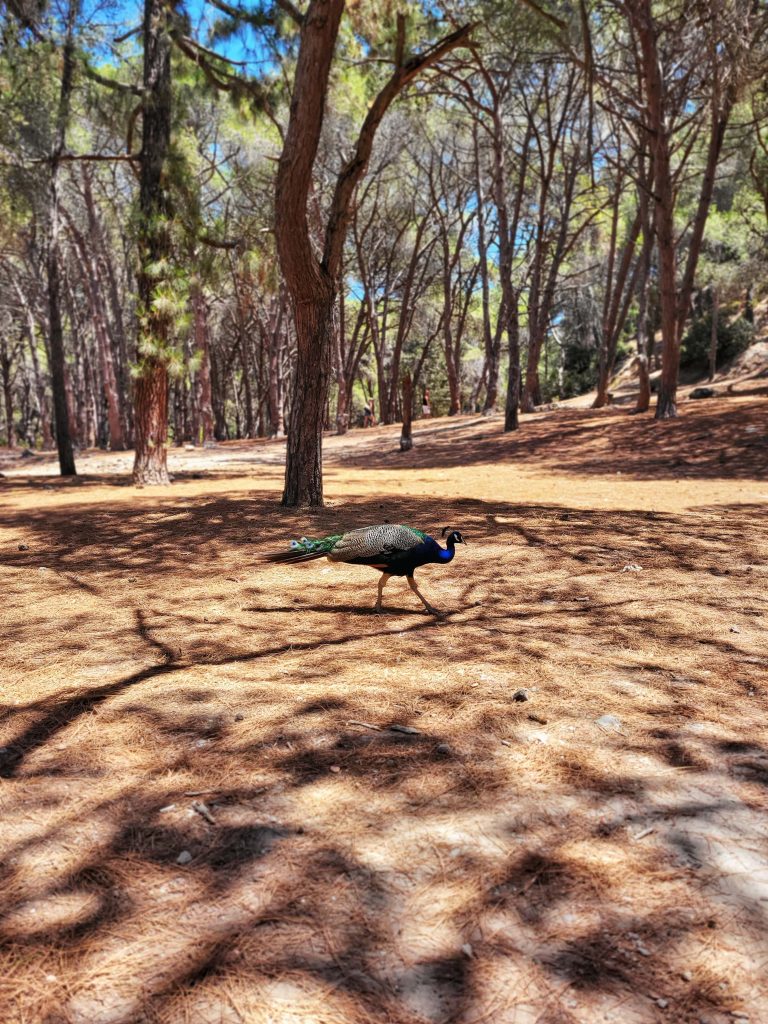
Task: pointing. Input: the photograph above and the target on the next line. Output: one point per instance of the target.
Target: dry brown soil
(503, 861)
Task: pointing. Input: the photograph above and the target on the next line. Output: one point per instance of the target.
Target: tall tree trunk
(275, 389)
(512, 407)
(155, 248)
(531, 394)
(614, 310)
(56, 331)
(645, 343)
(6, 359)
(39, 376)
(151, 403)
(106, 292)
(245, 362)
(339, 352)
(491, 338)
(451, 369)
(79, 346)
(314, 334)
(713, 335)
(664, 203)
(93, 284)
(312, 284)
(203, 381)
(219, 397)
(508, 309)
(406, 434)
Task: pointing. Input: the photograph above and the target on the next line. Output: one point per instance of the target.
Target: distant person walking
(426, 409)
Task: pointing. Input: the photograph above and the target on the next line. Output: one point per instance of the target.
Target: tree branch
(291, 10)
(547, 15)
(294, 174)
(110, 83)
(400, 44)
(355, 167)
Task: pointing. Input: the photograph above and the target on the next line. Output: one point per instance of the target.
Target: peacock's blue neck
(446, 554)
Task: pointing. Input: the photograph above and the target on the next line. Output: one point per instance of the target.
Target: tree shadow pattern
(724, 440)
(490, 859)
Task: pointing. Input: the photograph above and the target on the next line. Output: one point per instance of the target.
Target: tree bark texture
(311, 286)
(109, 298)
(509, 296)
(92, 285)
(314, 334)
(618, 295)
(39, 376)
(713, 335)
(645, 338)
(342, 404)
(151, 402)
(203, 381)
(151, 387)
(6, 373)
(664, 216)
(512, 405)
(56, 330)
(406, 434)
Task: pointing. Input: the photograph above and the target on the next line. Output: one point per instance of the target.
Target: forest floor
(231, 793)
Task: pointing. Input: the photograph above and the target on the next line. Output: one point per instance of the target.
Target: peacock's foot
(434, 611)
(377, 609)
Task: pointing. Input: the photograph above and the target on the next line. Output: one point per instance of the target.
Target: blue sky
(113, 18)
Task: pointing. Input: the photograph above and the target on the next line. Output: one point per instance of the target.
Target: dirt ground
(230, 793)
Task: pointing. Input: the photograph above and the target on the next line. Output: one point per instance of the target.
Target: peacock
(393, 550)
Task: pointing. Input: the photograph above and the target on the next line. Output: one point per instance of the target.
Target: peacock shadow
(363, 611)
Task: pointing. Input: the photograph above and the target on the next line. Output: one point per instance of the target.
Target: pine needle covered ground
(597, 852)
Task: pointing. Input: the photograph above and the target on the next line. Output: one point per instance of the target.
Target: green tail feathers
(305, 550)
(320, 546)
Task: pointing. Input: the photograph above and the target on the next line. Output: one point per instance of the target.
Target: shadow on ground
(723, 440)
(232, 795)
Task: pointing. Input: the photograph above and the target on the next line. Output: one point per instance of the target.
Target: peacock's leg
(424, 601)
(382, 583)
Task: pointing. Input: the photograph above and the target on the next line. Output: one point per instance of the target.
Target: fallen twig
(203, 811)
(643, 834)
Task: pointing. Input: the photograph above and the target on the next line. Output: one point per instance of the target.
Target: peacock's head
(454, 537)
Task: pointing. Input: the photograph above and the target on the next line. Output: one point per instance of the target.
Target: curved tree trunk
(312, 284)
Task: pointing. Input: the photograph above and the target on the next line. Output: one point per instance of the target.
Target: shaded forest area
(222, 221)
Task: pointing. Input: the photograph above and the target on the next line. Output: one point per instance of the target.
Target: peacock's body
(393, 550)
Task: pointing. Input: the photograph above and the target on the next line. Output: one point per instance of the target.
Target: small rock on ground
(609, 723)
